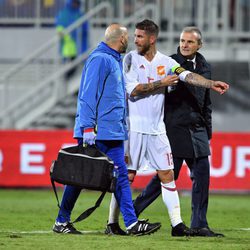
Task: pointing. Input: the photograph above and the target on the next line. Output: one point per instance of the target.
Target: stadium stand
(33, 93)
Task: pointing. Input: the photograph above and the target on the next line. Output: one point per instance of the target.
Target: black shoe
(114, 228)
(206, 232)
(143, 227)
(181, 230)
(65, 228)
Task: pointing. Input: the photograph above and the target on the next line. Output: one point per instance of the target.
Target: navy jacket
(188, 113)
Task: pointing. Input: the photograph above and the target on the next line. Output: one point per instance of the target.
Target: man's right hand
(89, 136)
(170, 80)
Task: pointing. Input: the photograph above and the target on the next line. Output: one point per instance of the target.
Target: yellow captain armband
(177, 70)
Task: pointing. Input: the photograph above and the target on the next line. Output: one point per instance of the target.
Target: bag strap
(88, 211)
(54, 188)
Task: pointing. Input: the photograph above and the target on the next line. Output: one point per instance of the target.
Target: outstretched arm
(198, 80)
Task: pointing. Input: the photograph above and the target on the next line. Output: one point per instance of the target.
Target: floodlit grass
(27, 216)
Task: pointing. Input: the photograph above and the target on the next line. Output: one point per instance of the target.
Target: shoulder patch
(127, 62)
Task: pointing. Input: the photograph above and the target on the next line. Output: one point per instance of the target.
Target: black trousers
(199, 174)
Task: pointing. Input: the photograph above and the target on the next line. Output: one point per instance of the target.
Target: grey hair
(193, 29)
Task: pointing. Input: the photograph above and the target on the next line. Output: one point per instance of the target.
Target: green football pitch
(27, 216)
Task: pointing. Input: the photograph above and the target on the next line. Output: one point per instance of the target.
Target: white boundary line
(84, 232)
(244, 229)
(43, 232)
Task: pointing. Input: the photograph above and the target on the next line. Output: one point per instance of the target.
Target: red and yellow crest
(161, 70)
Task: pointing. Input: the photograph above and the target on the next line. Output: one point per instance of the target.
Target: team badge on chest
(161, 70)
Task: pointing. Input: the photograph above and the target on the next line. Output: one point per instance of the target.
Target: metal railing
(213, 15)
(34, 95)
(48, 91)
(29, 12)
(220, 30)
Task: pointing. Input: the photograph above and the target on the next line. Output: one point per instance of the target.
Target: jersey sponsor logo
(150, 79)
(161, 70)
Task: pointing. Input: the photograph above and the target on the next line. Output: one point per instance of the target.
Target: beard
(143, 49)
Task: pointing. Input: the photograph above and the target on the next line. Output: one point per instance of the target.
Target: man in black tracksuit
(189, 129)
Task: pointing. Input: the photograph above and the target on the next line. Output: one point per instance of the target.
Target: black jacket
(188, 113)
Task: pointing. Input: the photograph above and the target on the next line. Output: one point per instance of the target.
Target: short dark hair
(148, 26)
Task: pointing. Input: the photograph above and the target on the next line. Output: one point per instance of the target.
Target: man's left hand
(220, 87)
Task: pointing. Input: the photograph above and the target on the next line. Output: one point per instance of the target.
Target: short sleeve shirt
(146, 112)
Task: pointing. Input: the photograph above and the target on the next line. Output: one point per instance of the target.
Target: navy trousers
(199, 174)
(115, 151)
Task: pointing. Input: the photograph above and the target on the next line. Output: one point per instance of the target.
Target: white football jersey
(146, 112)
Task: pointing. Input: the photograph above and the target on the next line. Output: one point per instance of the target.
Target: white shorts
(154, 150)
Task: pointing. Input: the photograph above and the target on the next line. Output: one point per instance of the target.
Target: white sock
(171, 200)
(114, 210)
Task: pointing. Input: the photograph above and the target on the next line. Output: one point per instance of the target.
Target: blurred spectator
(76, 42)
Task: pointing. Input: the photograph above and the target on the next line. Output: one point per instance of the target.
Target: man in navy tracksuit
(101, 120)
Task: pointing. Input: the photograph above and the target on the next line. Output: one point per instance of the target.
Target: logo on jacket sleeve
(161, 70)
